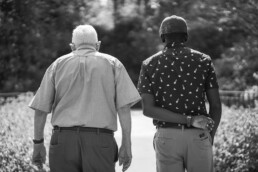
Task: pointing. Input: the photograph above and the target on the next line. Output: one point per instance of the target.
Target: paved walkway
(142, 148)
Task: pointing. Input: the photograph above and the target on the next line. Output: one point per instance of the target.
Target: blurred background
(35, 33)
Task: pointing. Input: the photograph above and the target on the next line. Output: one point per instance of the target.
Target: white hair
(84, 34)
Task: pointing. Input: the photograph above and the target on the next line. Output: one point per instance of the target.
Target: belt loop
(59, 129)
(183, 127)
(98, 131)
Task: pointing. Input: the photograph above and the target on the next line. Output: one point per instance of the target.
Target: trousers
(73, 151)
(180, 150)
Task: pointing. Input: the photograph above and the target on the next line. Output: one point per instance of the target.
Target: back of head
(173, 27)
(84, 34)
(174, 37)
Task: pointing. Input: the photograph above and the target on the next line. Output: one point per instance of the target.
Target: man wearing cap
(173, 84)
(84, 90)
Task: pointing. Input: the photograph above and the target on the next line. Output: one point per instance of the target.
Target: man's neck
(172, 44)
(86, 46)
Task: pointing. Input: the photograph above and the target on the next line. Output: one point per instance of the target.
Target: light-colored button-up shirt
(85, 88)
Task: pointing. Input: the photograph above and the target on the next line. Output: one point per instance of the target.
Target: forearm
(215, 107)
(158, 113)
(215, 113)
(164, 114)
(39, 124)
(125, 122)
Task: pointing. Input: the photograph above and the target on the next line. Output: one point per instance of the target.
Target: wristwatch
(38, 141)
(188, 121)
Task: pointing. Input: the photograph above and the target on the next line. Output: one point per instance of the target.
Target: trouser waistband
(162, 124)
(84, 129)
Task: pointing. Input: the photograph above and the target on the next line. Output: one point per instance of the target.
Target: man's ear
(72, 45)
(98, 45)
(186, 37)
(162, 38)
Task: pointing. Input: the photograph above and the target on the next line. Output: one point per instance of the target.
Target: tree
(33, 34)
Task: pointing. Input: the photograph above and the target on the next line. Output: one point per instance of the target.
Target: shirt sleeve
(44, 97)
(144, 83)
(126, 92)
(211, 80)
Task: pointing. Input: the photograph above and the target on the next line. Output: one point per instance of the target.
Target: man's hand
(125, 152)
(203, 122)
(39, 150)
(39, 155)
(125, 156)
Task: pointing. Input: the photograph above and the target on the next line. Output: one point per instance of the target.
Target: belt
(161, 124)
(84, 129)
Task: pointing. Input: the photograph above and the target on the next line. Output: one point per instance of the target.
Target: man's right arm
(158, 113)
(39, 124)
(39, 150)
(152, 111)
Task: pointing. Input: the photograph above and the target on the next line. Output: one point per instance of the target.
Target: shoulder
(110, 59)
(59, 60)
(152, 59)
(63, 58)
(202, 56)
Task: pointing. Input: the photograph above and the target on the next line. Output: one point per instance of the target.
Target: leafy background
(235, 146)
(34, 33)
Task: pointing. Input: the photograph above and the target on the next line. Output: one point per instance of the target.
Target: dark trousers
(78, 151)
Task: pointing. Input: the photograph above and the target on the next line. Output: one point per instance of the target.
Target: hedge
(235, 146)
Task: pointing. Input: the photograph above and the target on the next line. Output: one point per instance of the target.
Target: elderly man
(84, 90)
(173, 84)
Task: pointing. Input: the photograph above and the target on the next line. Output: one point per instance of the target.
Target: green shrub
(236, 141)
(16, 133)
(235, 146)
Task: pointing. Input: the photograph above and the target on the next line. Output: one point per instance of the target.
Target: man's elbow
(216, 107)
(147, 111)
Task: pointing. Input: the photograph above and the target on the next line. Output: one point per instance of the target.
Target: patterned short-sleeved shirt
(178, 78)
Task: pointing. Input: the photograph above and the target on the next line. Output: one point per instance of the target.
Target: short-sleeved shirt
(178, 78)
(85, 88)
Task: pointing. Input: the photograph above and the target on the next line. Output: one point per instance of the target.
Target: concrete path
(142, 147)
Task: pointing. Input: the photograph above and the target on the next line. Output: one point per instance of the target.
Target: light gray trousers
(178, 150)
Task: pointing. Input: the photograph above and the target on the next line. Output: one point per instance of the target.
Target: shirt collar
(85, 50)
(175, 45)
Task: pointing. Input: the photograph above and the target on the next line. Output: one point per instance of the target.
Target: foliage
(236, 141)
(16, 135)
(238, 66)
(235, 147)
(128, 43)
(35, 33)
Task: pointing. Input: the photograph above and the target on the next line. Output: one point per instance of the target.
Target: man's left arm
(215, 108)
(125, 152)
(39, 151)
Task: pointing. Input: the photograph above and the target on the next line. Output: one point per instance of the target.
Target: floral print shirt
(178, 78)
